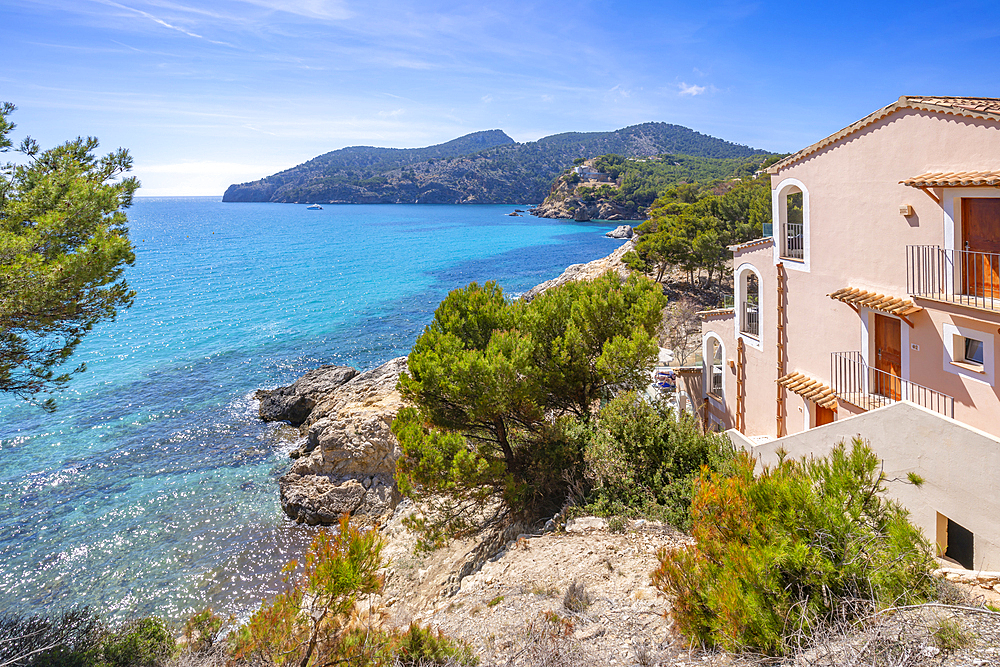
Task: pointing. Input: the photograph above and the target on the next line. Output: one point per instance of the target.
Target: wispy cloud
(692, 89)
(334, 10)
(163, 23)
(391, 114)
(621, 91)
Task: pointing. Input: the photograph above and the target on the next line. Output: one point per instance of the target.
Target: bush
(79, 638)
(145, 642)
(642, 460)
(576, 599)
(308, 620)
(315, 621)
(69, 638)
(418, 647)
(779, 554)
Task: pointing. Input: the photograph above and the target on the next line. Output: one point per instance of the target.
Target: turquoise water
(152, 490)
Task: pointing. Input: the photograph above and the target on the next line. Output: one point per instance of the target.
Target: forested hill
(479, 168)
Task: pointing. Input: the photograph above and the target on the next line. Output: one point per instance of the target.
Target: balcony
(855, 382)
(963, 277)
(750, 319)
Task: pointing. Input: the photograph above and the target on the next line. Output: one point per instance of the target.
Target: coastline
(347, 460)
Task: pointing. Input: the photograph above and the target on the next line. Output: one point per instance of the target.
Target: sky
(209, 93)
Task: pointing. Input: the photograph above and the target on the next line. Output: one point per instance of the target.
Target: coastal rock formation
(563, 202)
(589, 271)
(621, 232)
(294, 403)
(349, 458)
(573, 208)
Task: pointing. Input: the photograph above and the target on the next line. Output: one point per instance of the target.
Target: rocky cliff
(588, 271)
(565, 202)
(348, 459)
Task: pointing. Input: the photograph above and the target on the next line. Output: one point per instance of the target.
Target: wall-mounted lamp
(906, 210)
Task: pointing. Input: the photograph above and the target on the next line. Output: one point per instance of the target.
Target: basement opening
(958, 543)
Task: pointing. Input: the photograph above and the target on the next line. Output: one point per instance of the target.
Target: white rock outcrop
(349, 458)
(588, 271)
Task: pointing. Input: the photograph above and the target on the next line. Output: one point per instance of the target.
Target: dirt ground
(514, 611)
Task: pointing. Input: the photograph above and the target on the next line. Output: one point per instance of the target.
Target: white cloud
(487, 99)
(391, 114)
(692, 89)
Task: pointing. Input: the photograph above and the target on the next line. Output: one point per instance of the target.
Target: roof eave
(904, 102)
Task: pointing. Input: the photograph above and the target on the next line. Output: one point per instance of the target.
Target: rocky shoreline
(348, 459)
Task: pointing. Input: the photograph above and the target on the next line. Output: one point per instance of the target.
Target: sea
(152, 490)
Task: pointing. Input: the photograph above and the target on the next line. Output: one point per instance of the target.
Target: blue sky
(205, 94)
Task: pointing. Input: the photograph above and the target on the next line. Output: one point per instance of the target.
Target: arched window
(793, 236)
(790, 212)
(714, 355)
(748, 323)
(750, 306)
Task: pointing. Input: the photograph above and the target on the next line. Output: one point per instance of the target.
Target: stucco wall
(959, 466)
(858, 238)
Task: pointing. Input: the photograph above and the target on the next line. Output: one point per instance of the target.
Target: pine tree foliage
(498, 386)
(64, 247)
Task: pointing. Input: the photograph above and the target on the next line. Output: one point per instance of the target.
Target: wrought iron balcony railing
(966, 277)
(868, 388)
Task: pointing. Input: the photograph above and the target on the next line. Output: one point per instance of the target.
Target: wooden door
(981, 238)
(824, 415)
(888, 358)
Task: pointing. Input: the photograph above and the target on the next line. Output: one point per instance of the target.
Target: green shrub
(79, 638)
(145, 642)
(422, 646)
(641, 460)
(949, 635)
(201, 631)
(307, 621)
(780, 553)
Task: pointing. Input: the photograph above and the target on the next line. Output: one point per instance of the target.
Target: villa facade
(878, 285)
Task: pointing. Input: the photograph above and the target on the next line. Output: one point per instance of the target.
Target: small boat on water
(314, 207)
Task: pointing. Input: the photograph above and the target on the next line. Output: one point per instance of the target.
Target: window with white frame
(790, 212)
(715, 357)
(749, 304)
(793, 234)
(969, 352)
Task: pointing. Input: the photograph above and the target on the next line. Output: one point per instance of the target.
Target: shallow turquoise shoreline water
(153, 489)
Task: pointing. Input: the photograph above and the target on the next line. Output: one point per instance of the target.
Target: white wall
(960, 466)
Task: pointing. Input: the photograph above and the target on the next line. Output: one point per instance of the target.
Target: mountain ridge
(486, 167)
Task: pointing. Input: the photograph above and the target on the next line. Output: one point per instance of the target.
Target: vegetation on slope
(633, 184)
(462, 172)
(780, 553)
(691, 226)
(500, 390)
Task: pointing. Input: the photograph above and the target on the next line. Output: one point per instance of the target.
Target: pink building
(880, 287)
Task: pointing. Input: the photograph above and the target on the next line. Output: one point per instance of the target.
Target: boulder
(620, 232)
(294, 403)
(349, 456)
(581, 214)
